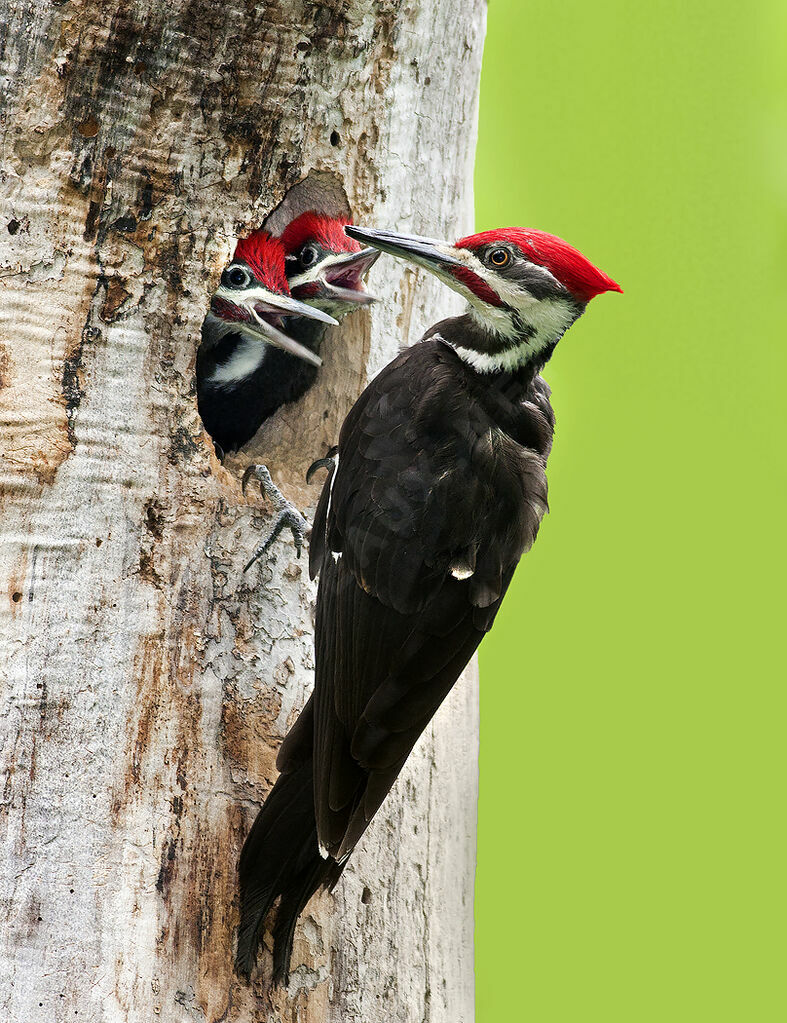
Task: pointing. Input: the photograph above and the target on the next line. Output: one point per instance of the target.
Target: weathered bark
(147, 681)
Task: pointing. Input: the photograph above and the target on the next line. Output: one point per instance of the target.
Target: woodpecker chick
(325, 267)
(438, 489)
(244, 350)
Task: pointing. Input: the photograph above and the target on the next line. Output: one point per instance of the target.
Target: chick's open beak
(266, 309)
(337, 278)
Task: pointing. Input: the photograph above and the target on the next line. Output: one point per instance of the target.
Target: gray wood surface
(145, 681)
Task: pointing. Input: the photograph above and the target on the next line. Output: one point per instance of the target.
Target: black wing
(416, 537)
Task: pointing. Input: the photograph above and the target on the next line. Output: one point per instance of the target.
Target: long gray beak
(425, 252)
(260, 301)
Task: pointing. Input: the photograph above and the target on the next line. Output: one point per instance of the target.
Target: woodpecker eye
(236, 277)
(309, 256)
(499, 257)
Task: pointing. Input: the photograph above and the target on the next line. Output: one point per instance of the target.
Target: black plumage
(233, 412)
(439, 488)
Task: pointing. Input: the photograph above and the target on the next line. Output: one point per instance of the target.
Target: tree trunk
(147, 681)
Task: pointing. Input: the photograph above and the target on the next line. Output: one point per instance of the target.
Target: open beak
(425, 252)
(337, 278)
(266, 310)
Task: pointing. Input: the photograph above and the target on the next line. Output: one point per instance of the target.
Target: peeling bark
(146, 681)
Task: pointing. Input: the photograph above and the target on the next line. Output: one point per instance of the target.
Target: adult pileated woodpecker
(245, 372)
(438, 489)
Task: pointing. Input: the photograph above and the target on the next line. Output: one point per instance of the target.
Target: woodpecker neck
(509, 340)
(230, 354)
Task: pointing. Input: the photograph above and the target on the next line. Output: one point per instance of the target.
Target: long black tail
(280, 858)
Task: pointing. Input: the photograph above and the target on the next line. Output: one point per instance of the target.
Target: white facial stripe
(244, 360)
(549, 318)
(314, 272)
(513, 295)
(497, 362)
(497, 320)
(244, 296)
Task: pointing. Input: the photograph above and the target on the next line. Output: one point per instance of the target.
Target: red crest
(567, 264)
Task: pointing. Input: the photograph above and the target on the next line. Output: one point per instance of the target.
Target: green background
(631, 858)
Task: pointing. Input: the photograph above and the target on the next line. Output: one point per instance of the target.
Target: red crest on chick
(327, 232)
(264, 254)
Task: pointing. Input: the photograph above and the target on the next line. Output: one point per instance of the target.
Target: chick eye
(499, 257)
(237, 277)
(309, 256)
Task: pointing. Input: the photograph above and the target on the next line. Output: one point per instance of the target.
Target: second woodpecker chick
(325, 267)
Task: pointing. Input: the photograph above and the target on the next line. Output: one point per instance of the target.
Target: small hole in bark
(303, 46)
(427, 80)
(88, 129)
(99, 541)
(335, 138)
(13, 226)
(366, 896)
(70, 891)
(16, 597)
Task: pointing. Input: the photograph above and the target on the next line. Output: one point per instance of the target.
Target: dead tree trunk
(147, 681)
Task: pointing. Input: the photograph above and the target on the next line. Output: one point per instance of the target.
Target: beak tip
(312, 312)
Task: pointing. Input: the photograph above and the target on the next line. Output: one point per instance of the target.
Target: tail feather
(280, 858)
(291, 905)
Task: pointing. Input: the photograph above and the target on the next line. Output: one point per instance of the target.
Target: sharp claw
(288, 518)
(321, 463)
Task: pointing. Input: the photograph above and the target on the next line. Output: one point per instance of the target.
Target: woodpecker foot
(288, 515)
(322, 463)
